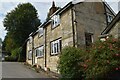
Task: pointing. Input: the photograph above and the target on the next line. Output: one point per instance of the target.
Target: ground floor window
(55, 46)
(39, 51)
(88, 39)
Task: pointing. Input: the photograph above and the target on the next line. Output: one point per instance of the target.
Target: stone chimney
(52, 9)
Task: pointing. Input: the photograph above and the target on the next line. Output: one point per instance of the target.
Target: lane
(18, 70)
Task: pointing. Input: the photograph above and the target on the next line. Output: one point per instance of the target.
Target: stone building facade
(77, 24)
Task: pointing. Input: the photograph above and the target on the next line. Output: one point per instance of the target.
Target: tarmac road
(18, 70)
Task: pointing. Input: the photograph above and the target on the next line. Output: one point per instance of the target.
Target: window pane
(110, 17)
(57, 46)
(36, 53)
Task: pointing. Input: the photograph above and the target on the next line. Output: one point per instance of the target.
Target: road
(18, 70)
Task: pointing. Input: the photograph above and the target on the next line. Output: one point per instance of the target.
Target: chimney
(52, 9)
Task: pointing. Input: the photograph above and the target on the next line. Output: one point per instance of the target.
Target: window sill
(55, 27)
(39, 57)
(29, 59)
(54, 54)
(39, 36)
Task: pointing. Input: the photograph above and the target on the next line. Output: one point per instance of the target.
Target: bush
(22, 55)
(102, 59)
(97, 62)
(11, 58)
(70, 63)
(15, 52)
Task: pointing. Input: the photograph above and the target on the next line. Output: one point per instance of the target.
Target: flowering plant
(103, 57)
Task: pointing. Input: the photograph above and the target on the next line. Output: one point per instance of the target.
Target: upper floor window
(40, 32)
(109, 18)
(88, 39)
(55, 21)
(39, 51)
(55, 47)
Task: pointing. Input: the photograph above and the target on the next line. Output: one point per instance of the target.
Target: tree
(19, 23)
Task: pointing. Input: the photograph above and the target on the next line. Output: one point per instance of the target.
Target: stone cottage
(77, 24)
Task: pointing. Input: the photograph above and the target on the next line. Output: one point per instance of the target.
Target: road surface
(18, 70)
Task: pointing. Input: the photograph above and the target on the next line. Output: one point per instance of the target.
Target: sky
(42, 7)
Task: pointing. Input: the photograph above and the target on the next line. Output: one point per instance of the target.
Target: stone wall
(115, 31)
(28, 48)
(38, 41)
(63, 31)
(90, 17)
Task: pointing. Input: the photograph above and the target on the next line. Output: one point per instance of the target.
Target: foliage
(11, 58)
(102, 59)
(15, 52)
(97, 62)
(19, 23)
(69, 64)
(22, 55)
(9, 43)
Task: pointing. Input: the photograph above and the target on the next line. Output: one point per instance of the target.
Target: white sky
(41, 5)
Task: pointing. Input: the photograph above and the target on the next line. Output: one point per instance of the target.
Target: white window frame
(30, 55)
(55, 21)
(40, 31)
(39, 52)
(55, 47)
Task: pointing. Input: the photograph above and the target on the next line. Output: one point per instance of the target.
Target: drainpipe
(45, 49)
(73, 27)
(32, 50)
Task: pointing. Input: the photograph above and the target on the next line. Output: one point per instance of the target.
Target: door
(35, 58)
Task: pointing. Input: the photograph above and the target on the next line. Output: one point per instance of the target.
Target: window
(39, 51)
(30, 55)
(109, 17)
(55, 21)
(88, 39)
(55, 47)
(40, 32)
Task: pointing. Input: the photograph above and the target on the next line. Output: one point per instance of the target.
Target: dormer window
(40, 32)
(109, 18)
(55, 21)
